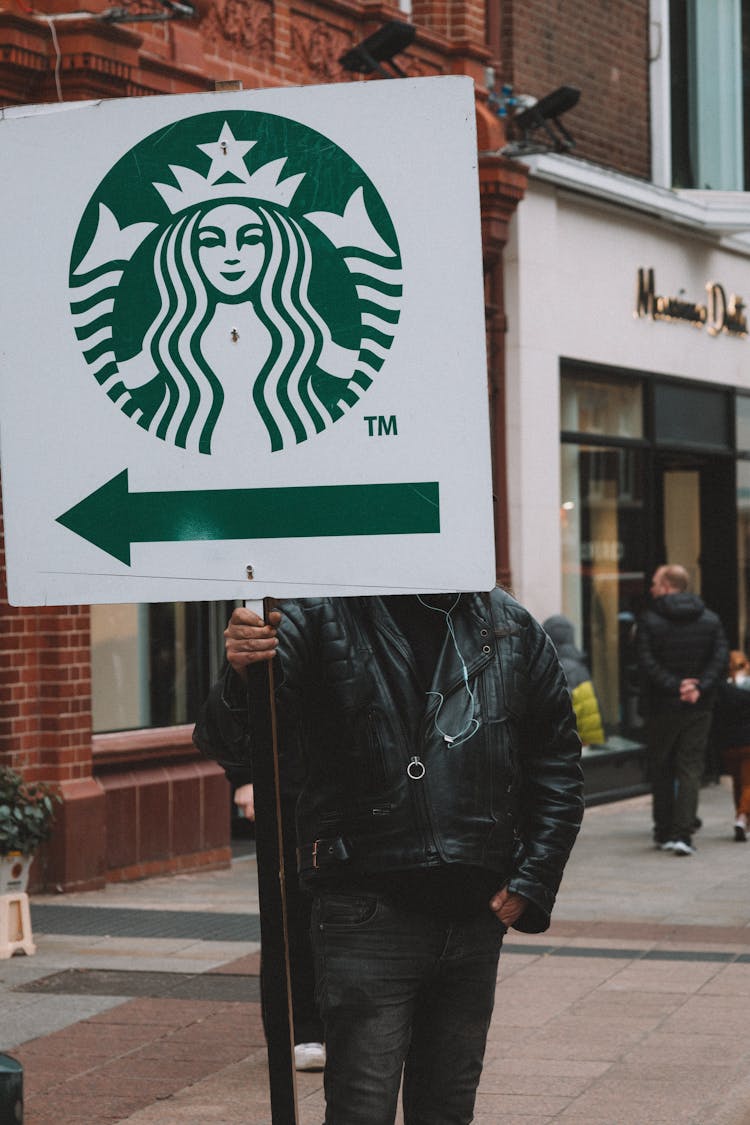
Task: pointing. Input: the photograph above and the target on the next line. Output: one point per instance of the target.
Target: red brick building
(137, 799)
(608, 421)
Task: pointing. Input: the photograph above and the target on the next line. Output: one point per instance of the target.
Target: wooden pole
(277, 993)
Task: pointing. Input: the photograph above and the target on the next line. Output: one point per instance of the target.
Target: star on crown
(228, 177)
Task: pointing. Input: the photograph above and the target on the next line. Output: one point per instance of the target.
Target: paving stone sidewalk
(631, 1010)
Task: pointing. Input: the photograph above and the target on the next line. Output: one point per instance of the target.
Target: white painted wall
(534, 331)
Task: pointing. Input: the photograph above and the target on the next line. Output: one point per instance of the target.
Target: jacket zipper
(415, 769)
(419, 798)
(413, 761)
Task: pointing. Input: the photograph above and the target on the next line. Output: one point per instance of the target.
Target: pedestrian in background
(307, 1026)
(732, 735)
(228, 742)
(585, 703)
(682, 658)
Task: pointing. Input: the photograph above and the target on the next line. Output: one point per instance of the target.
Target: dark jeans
(676, 755)
(402, 992)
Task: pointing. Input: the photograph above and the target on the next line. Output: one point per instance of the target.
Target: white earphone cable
(471, 726)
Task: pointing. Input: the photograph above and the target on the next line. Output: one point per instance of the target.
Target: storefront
(629, 417)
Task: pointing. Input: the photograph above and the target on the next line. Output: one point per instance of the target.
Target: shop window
(603, 564)
(709, 63)
(742, 423)
(697, 416)
(607, 409)
(151, 665)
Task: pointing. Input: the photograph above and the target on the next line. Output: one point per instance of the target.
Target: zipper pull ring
(415, 769)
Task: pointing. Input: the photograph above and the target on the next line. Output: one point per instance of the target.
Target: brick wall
(457, 20)
(602, 48)
(45, 688)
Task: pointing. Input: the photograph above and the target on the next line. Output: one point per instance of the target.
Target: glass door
(682, 522)
(696, 526)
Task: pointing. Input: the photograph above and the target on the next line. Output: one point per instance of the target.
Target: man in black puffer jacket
(682, 656)
(440, 798)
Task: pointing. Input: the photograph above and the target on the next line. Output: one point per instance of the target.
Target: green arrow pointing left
(113, 517)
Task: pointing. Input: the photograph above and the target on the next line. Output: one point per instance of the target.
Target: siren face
(235, 276)
(230, 248)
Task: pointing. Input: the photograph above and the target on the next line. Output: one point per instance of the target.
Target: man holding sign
(441, 795)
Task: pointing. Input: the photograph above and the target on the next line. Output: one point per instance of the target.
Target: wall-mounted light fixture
(131, 11)
(542, 115)
(158, 11)
(376, 52)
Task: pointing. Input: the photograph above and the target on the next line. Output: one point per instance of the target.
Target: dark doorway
(696, 525)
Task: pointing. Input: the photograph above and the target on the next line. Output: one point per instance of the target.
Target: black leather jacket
(678, 638)
(508, 799)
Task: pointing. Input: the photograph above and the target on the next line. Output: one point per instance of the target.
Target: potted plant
(27, 811)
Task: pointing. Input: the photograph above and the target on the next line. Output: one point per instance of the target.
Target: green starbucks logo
(235, 265)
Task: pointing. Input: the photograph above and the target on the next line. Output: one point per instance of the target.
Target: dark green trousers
(676, 756)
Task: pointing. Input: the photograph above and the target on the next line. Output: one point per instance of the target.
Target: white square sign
(242, 349)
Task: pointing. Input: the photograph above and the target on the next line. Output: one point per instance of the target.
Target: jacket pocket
(364, 749)
(503, 774)
(375, 748)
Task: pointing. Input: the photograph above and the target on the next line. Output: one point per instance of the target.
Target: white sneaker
(668, 846)
(681, 847)
(309, 1056)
